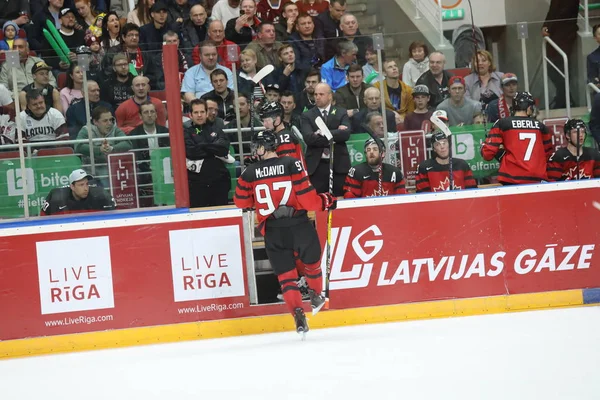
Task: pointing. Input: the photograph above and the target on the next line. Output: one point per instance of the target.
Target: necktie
(325, 115)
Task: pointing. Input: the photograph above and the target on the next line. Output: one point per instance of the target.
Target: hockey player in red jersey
(574, 161)
(271, 114)
(521, 144)
(434, 174)
(280, 191)
(374, 177)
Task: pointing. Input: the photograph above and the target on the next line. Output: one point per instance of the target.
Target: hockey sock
(299, 265)
(314, 277)
(290, 290)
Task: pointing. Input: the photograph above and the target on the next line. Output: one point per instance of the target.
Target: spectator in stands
(130, 46)
(15, 11)
(305, 100)
(243, 29)
(269, 10)
(10, 30)
(351, 95)
(312, 7)
(118, 88)
(417, 64)
(290, 116)
(40, 73)
(244, 106)
(285, 27)
(50, 12)
(265, 46)
(24, 75)
(289, 75)
(76, 115)
(196, 81)
(156, 72)
(436, 79)
(414, 120)
(72, 38)
(7, 104)
(220, 94)
(333, 72)
(502, 107)
(179, 13)
(152, 33)
(272, 92)
(72, 93)
(212, 114)
(140, 15)
(350, 32)
(42, 123)
(372, 100)
(317, 146)
(128, 116)
(561, 26)
(225, 10)
(86, 15)
(484, 84)
(459, 108)
(371, 67)
(195, 29)
(595, 118)
(96, 56)
(308, 45)
(397, 94)
(593, 59)
(328, 22)
(374, 123)
(216, 33)
(142, 146)
(247, 72)
(111, 31)
(208, 178)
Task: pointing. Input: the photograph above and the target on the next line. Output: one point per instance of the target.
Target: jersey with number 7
(270, 184)
(527, 147)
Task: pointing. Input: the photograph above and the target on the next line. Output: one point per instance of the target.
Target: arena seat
(159, 94)
(9, 154)
(460, 71)
(61, 80)
(58, 151)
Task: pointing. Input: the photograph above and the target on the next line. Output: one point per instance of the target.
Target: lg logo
(365, 246)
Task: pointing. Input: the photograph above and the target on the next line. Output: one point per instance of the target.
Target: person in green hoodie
(103, 127)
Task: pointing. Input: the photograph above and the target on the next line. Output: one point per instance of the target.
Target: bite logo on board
(15, 182)
(464, 147)
(75, 275)
(206, 263)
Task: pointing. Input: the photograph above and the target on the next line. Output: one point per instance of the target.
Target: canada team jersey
(275, 182)
(527, 145)
(289, 146)
(562, 166)
(435, 177)
(362, 181)
(51, 126)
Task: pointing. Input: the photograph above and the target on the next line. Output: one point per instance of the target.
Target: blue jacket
(593, 66)
(333, 74)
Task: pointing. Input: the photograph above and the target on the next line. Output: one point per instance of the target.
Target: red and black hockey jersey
(275, 182)
(289, 145)
(527, 147)
(435, 177)
(362, 181)
(562, 166)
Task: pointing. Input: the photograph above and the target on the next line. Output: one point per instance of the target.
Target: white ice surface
(534, 355)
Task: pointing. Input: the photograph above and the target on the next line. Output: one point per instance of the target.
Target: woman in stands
(247, 72)
(72, 92)
(417, 64)
(312, 7)
(484, 84)
(111, 31)
(140, 15)
(86, 16)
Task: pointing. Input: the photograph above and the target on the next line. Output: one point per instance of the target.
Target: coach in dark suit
(317, 145)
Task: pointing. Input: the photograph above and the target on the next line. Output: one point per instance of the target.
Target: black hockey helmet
(522, 101)
(268, 139)
(437, 136)
(376, 141)
(270, 109)
(574, 123)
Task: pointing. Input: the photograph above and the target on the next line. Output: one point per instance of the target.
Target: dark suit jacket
(316, 143)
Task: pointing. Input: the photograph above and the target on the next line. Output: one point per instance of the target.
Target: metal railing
(588, 94)
(565, 74)
(433, 13)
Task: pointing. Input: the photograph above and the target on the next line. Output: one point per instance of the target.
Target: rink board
(121, 279)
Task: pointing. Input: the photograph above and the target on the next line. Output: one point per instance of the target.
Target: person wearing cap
(272, 92)
(484, 84)
(374, 177)
(11, 31)
(433, 175)
(352, 95)
(151, 34)
(460, 109)
(220, 94)
(397, 94)
(78, 197)
(72, 37)
(502, 107)
(24, 76)
(436, 79)
(414, 120)
(40, 72)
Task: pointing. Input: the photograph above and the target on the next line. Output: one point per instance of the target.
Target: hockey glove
(251, 160)
(329, 202)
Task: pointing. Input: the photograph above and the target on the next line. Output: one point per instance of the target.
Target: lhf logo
(75, 275)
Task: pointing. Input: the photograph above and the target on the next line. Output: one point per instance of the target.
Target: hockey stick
(578, 143)
(327, 133)
(264, 71)
(446, 131)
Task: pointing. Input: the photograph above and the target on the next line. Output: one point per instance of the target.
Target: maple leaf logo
(445, 185)
(378, 193)
(572, 174)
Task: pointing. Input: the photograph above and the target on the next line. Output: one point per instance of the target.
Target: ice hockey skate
(300, 320)
(317, 301)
